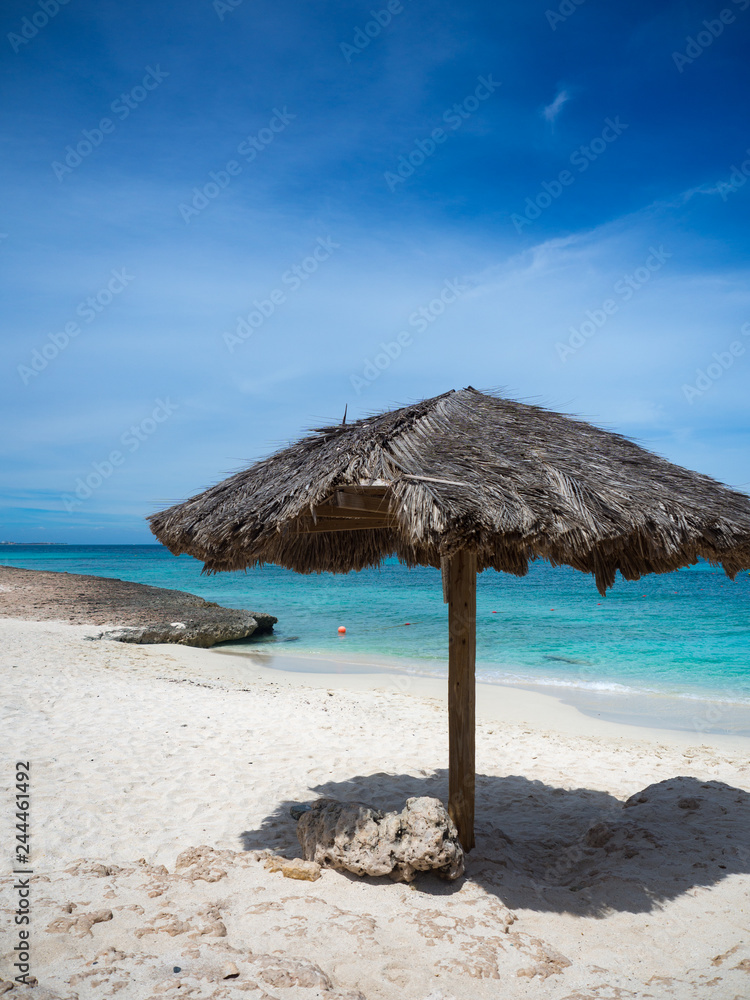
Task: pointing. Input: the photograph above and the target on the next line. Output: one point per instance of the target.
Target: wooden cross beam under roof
(350, 508)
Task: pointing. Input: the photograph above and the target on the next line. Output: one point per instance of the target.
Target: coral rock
(284, 972)
(358, 838)
(226, 626)
(307, 871)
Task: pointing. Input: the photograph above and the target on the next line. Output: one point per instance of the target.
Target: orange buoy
(341, 629)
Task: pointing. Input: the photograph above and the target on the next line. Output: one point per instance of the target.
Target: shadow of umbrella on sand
(464, 481)
(569, 850)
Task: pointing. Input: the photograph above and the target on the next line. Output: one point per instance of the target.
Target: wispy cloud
(551, 111)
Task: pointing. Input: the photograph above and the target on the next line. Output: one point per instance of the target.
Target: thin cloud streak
(551, 111)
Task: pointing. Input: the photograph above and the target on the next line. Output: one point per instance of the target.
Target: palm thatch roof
(510, 481)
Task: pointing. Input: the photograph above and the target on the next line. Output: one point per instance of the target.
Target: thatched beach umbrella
(465, 482)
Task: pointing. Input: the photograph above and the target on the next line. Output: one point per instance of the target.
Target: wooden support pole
(460, 587)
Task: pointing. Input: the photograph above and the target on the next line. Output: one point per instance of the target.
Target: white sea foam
(504, 677)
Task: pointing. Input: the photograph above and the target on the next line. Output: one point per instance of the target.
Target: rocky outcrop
(197, 631)
(358, 838)
(140, 612)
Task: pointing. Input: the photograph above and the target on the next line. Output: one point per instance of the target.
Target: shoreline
(240, 665)
(692, 699)
(693, 717)
(232, 666)
(439, 669)
(89, 600)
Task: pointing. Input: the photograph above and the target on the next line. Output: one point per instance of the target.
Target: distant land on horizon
(105, 545)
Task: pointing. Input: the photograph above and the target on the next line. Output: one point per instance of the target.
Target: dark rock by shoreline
(136, 611)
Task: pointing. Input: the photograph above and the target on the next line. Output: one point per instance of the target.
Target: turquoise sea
(685, 633)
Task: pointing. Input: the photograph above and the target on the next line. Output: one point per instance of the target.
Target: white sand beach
(159, 774)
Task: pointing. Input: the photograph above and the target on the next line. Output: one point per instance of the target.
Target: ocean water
(684, 634)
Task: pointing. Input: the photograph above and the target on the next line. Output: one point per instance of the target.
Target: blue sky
(214, 216)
